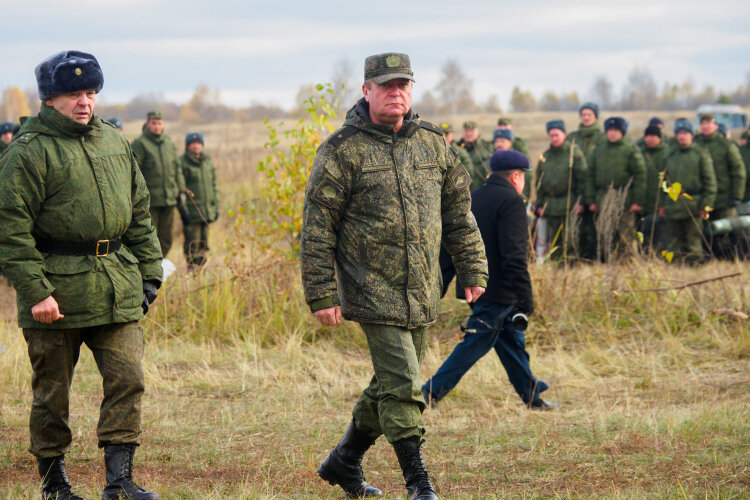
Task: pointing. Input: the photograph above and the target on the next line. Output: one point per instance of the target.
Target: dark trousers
(196, 243)
(117, 350)
(163, 219)
(509, 344)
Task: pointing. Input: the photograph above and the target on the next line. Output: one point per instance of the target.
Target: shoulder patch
(431, 127)
(327, 192)
(341, 135)
(459, 178)
(26, 137)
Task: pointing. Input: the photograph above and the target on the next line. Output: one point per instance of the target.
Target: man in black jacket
(500, 213)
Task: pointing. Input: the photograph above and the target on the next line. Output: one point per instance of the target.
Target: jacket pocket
(77, 289)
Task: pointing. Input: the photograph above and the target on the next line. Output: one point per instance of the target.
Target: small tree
(13, 104)
(522, 100)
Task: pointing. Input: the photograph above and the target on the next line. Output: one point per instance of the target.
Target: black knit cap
(652, 130)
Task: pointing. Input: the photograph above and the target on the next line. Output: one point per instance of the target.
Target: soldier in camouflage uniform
(6, 135)
(745, 153)
(447, 129)
(201, 206)
(519, 143)
(692, 167)
(78, 246)
(478, 151)
(652, 227)
(383, 191)
(562, 177)
(157, 157)
(504, 139)
(616, 164)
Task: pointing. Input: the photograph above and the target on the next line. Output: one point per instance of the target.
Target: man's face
(449, 137)
(709, 127)
(503, 144)
(470, 134)
(684, 138)
(389, 101)
(588, 117)
(155, 125)
(556, 137)
(78, 106)
(6, 137)
(195, 147)
(652, 140)
(614, 135)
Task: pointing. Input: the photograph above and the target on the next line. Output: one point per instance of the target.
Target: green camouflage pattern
(553, 174)
(117, 349)
(3, 147)
(65, 181)
(654, 159)
(522, 146)
(693, 169)
(745, 154)
(728, 167)
(195, 246)
(392, 404)
(377, 206)
(478, 152)
(588, 138)
(616, 164)
(157, 157)
(200, 181)
(163, 220)
(381, 68)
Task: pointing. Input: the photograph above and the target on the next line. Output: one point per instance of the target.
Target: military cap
(388, 66)
(68, 71)
(723, 129)
(154, 115)
(116, 122)
(447, 128)
(590, 105)
(655, 121)
(504, 120)
(558, 124)
(708, 117)
(683, 124)
(617, 123)
(652, 130)
(471, 124)
(508, 160)
(7, 127)
(194, 137)
(503, 133)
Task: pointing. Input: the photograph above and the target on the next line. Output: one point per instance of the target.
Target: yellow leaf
(687, 196)
(640, 237)
(667, 255)
(674, 190)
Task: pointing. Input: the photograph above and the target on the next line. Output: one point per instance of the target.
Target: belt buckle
(106, 252)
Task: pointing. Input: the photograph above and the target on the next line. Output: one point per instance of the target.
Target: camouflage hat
(154, 115)
(708, 117)
(504, 121)
(388, 66)
(471, 124)
(447, 128)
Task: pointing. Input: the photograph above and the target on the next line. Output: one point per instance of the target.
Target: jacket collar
(52, 122)
(359, 116)
(151, 136)
(499, 180)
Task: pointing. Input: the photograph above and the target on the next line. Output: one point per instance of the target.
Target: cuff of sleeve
(323, 303)
(37, 293)
(474, 281)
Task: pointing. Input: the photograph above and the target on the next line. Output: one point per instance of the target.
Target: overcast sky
(264, 51)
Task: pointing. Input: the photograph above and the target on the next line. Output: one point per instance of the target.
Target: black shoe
(55, 483)
(542, 405)
(118, 460)
(343, 466)
(409, 454)
(431, 400)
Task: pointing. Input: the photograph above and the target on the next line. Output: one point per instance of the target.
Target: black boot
(55, 483)
(343, 466)
(118, 460)
(409, 454)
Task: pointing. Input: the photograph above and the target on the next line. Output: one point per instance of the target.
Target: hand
(594, 207)
(635, 208)
(472, 293)
(578, 209)
(703, 213)
(46, 311)
(663, 213)
(149, 294)
(330, 316)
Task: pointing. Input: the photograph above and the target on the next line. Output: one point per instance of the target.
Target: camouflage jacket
(479, 153)
(588, 138)
(200, 181)
(745, 153)
(3, 147)
(553, 172)
(64, 181)
(376, 208)
(693, 169)
(728, 167)
(522, 146)
(157, 157)
(616, 164)
(654, 161)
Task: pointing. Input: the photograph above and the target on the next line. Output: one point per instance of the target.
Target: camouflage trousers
(196, 243)
(393, 404)
(117, 350)
(163, 220)
(687, 242)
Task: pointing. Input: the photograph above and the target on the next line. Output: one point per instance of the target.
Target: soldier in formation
(478, 152)
(653, 149)
(383, 191)
(78, 246)
(6, 135)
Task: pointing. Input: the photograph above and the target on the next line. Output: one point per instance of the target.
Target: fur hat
(558, 124)
(652, 130)
(683, 124)
(590, 105)
(618, 123)
(655, 121)
(194, 137)
(508, 160)
(7, 127)
(503, 133)
(68, 71)
(116, 122)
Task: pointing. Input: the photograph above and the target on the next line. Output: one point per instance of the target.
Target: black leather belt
(100, 248)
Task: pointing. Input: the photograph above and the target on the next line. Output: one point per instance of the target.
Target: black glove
(149, 293)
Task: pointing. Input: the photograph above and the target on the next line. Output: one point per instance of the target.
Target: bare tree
(601, 92)
(549, 102)
(640, 90)
(455, 89)
(344, 83)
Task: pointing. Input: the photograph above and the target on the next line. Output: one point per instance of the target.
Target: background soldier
(562, 177)
(478, 151)
(157, 157)
(619, 165)
(117, 123)
(6, 135)
(745, 153)
(450, 137)
(501, 217)
(518, 144)
(201, 206)
(82, 275)
(692, 167)
(653, 150)
(382, 192)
